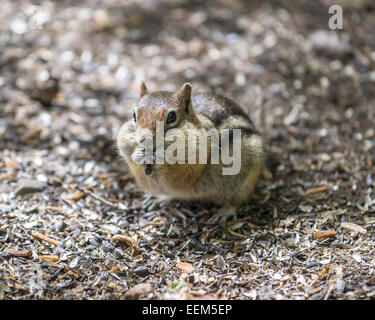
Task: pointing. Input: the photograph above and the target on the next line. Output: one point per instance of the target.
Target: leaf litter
(73, 225)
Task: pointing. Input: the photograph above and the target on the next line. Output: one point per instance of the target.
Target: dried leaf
(20, 253)
(132, 242)
(184, 266)
(137, 290)
(107, 175)
(321, 235)
(316, 190)
(54, 208)
(77, 195)
(198, 293)
(11, 164)
(353, 227)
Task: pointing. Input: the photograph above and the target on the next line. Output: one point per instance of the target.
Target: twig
(218, 293)
(353, 227)
(20, 253)
(316, 190)
(42, 237)
(330, 289)
(95, 196)
(49, 257)
(236, 234)
(71, 273)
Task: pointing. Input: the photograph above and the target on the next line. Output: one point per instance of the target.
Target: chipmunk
(188, 115)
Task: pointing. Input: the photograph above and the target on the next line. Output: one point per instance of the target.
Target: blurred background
(70, 70)
(70, 73)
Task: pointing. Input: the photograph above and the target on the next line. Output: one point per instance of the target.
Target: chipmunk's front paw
(222, 216)
(138, 156)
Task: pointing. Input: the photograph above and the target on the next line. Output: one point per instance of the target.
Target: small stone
(29, 186)
(317, 296)
(141, 271)
(170, 244)
(312, 264)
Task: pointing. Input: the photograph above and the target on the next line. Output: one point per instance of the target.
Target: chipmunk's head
(171, 109)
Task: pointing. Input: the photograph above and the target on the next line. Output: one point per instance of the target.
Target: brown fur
(203, 182)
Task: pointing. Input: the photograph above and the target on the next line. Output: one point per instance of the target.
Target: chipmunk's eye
(171, 117)
(134, 117)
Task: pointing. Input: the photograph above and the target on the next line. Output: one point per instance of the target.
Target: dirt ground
(73, 225)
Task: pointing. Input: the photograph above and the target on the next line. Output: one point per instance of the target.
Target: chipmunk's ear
(143, 90)
(184, 96)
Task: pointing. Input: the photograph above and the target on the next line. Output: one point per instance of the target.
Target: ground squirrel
(187, 115)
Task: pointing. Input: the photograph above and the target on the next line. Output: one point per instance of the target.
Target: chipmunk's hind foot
(223, 215)
(151, 202)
